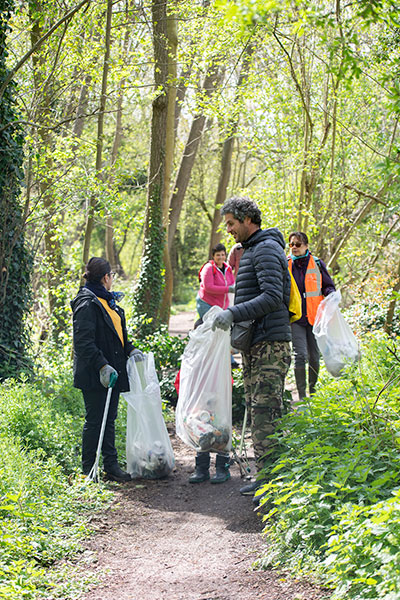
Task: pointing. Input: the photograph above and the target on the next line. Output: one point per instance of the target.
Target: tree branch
(38, 44)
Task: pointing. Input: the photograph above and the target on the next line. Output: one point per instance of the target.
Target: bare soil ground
(168, 539)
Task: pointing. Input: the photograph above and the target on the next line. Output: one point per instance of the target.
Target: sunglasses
(297, 244)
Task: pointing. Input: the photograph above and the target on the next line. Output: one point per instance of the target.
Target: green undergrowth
(332, 503)
(45, 505)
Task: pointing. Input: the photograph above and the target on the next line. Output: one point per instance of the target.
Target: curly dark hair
(242, 207)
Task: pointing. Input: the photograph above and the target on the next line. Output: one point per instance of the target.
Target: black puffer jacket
(97, 343)
(263, 286)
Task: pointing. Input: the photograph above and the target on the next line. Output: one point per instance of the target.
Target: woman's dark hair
(218, 248)
(242, 207)
(96, 269)
(300, 235)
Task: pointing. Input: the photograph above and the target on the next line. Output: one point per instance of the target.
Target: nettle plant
(363, 553)
(337, 475)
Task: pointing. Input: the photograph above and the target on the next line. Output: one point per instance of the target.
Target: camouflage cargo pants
(264, 370)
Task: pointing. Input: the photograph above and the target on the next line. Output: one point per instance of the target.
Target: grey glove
(223, 321)
(108, 376)
(137, 354)
(231, 289)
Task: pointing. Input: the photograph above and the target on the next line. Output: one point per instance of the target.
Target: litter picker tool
(240, 456)
(94, 471)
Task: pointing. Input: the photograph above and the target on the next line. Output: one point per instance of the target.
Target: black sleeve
(267, 262)
(128, 346)
(327, 285)
(84, 325)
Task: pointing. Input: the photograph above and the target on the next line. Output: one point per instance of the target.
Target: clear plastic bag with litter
(204, 409)
(336, 341)
(149, 453)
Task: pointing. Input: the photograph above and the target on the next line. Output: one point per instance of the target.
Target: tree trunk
(15, 262)
(111, 253)
(227, 151)
(43, 116)
(81, 110)
(100, 129)
(172, 33)
(148, 292)
(188, 158)
(220, 198)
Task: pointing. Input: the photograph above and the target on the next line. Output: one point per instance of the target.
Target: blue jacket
(263, 286)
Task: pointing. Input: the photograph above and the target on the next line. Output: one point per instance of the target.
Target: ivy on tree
(15, 263)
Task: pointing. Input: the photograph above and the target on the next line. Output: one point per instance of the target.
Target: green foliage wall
(14, 257)
(44, 505)
(332, 500)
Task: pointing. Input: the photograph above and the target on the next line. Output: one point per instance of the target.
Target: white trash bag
(204, 409)
(149, 453)
(335, 339)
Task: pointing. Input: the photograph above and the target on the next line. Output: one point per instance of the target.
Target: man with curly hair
(261, 295)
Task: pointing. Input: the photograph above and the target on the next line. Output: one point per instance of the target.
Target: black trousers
(95, 401)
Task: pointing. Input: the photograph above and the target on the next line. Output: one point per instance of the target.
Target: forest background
(133, 122)
(124, 125)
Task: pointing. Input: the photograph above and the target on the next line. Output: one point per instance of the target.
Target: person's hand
(137, 355)
(108, 376)
(231, 289)
(223, 321)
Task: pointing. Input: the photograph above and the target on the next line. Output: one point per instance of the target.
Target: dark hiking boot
(300, 376)
(115, 473)
(201, 472)
(251, 488)
(222, 472)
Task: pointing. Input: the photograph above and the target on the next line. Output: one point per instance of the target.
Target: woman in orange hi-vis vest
(314, 283)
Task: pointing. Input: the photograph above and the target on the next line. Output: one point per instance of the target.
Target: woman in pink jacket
(216, 281)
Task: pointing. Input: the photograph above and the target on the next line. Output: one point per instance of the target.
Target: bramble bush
(332, 500)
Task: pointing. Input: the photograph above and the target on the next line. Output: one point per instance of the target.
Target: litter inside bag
(204, 409)
(336, 341)
(149, 453)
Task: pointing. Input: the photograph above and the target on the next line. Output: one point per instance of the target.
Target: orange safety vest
(313, 285)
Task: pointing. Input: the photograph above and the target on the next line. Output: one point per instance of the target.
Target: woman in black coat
(101, 349)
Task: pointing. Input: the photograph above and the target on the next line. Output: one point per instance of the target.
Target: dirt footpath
(182, 323)
(168, 539)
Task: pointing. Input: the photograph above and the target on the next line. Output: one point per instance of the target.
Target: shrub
(363, 552)
(45, 415)
(336, 473)
(43, 513)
